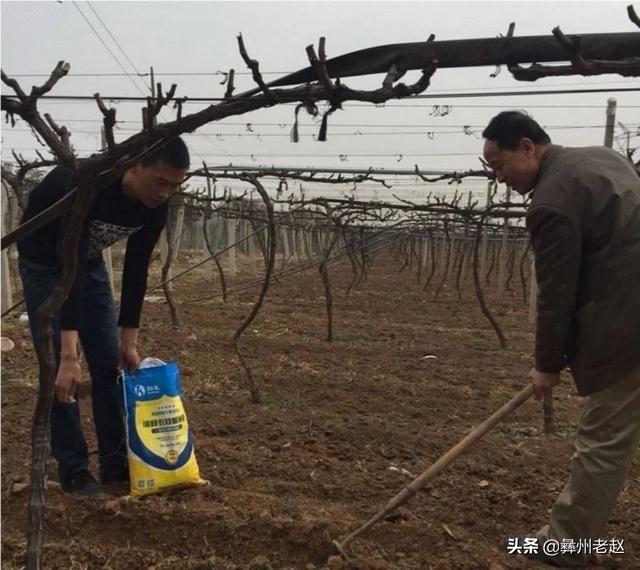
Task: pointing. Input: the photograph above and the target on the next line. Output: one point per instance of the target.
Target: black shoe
(115, 477)
(82, 484)
(116, 483)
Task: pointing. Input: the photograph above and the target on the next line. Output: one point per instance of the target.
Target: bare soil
(341, 428)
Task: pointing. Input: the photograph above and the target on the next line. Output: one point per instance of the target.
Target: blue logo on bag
(146, 385)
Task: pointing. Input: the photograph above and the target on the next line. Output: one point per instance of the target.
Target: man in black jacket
(584, 222)
(133, 207)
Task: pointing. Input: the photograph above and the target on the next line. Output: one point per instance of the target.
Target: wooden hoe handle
(420, 481)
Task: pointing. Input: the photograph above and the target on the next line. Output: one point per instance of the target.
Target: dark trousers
(99, 338)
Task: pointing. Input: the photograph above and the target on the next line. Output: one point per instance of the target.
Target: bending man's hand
(69, 371)
(543, 381)
(128, 357)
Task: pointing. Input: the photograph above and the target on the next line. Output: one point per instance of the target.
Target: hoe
(419, 482)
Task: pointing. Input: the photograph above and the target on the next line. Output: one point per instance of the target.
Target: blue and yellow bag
(159, 443)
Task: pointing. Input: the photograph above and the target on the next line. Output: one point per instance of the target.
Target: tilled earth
(342, 427)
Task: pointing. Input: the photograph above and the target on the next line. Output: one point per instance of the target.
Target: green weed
(569, 431)
(518, 430)
(350, 337)
(277, 400)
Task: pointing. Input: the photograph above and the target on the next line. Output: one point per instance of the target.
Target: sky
(193, 43)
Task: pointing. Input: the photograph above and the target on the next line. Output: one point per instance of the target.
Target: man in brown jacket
(584, 222)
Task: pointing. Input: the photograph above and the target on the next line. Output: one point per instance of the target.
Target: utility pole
(611, 120)
(153, 83)
(504, 256)
(7, 298)
(485, 238)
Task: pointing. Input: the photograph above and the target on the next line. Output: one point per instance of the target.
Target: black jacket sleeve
(136, 264)
(557, 245)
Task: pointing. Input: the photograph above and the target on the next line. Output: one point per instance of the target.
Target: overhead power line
(107, 47)
(224, 123)
(219, 73)
(256, 134)
(133, 65)
(136, 69)
(411, 106)
(127, 98)
(306, 155)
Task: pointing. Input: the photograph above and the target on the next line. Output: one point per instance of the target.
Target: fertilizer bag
(159, 443)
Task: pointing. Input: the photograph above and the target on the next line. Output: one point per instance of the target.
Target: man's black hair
(175, 154)
(507, 128)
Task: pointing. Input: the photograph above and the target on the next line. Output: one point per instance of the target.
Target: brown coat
(584, 221)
